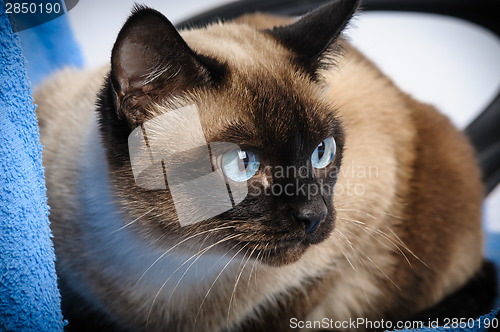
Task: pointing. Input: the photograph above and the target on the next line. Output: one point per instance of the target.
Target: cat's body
(407, 222)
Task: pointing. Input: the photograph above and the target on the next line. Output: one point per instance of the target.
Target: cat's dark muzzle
(286, 248)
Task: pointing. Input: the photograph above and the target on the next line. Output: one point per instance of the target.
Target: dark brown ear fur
(150, 61)
(311, 36)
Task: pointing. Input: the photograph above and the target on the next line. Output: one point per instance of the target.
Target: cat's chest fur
(170, 280)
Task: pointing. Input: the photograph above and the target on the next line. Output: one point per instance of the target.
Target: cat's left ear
(313, 34)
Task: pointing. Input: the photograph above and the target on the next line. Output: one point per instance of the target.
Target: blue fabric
(49, 47)
(29, 297)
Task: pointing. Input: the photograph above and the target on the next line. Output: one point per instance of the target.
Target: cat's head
(245, 105)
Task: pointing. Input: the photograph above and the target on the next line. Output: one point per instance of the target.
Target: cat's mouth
(283, 251)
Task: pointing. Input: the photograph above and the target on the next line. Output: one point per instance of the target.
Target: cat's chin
(285, 255)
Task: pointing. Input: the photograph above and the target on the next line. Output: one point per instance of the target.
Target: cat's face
(258, 94)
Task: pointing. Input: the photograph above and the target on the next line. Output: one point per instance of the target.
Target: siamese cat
(283, 109)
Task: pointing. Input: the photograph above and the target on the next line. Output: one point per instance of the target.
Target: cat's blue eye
(324, 153)
(240, 165)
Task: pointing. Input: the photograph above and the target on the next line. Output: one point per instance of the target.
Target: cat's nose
(310, 220)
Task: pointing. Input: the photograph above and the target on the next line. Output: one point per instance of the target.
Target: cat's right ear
(150, 61)
(311, 37)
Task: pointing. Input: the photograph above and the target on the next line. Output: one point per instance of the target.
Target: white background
(447, 62)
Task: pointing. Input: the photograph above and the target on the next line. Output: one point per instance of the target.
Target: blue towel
(29, 297)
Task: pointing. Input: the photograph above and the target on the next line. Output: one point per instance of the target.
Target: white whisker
(180, 266)
(237, 280)
(176, 245)
(133, 221)
(217, 278)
